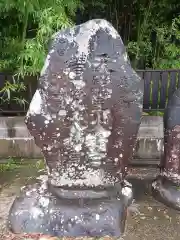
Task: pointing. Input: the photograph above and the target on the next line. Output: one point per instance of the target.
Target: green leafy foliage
(25, 36)
(10, 165)
(28, 37)
(169, 40)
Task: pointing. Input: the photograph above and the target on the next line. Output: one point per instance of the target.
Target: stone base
(167, 192)
(38, 211)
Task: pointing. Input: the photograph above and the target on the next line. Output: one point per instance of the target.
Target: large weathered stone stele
(85, 117)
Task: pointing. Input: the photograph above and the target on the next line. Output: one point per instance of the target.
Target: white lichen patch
(62, 112)
(78, 83)
(47, 62)
(88, 177)
(125, 56)
(35, 106)
(44, 201)
(172, 175)
(127, 191)
(96, 143)
(97, 217)
(72, 75)
(36, 212)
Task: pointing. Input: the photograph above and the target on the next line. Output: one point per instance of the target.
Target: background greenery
(150, 30)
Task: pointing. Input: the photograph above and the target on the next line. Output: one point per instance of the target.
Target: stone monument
(166, 188)
(85, 117)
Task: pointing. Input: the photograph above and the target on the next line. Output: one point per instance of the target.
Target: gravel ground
(154, 221)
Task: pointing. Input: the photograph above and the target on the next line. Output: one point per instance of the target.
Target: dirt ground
(154, 221)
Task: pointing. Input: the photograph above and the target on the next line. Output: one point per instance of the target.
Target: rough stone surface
(166, 187)
(154, 221)
(85, 117)
(86, 112)
(67, 217)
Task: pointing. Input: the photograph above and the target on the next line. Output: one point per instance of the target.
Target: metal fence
(159, 85)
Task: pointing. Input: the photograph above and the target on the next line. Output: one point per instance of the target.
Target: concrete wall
(150, 144)
(15, 140)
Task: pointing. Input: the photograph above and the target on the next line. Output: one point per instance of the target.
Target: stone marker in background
(85, 117)
(166, 188)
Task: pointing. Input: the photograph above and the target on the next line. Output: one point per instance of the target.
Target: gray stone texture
(84, 117)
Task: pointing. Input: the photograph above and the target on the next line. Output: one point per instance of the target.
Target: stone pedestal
(84, 116)
(39, 211)
(166, 188)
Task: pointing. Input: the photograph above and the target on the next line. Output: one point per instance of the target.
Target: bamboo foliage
(26, 28)
(36, 21)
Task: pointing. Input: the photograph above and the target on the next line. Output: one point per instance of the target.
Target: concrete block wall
(15, 140)
(150, 144)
